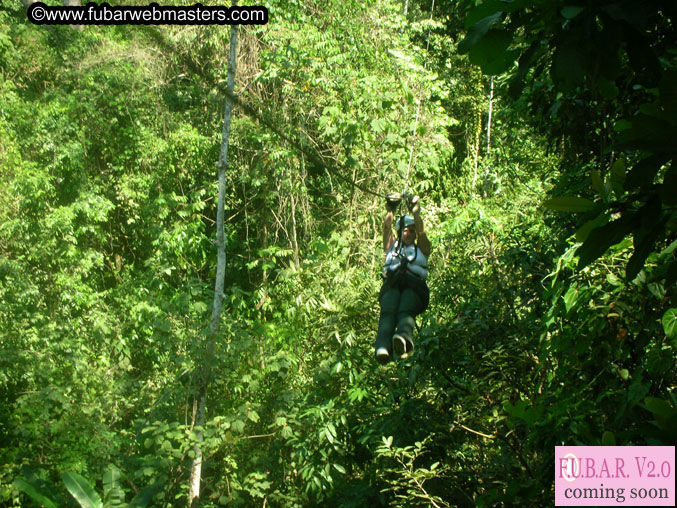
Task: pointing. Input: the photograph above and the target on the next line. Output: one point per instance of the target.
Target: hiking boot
(382, 355)
(400, 345)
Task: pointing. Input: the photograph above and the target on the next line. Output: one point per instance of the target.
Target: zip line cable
(418, 106)
(314, 158)
(158, 37)
(250, 111)
(321, 163)
(400, 227)
(310, 154)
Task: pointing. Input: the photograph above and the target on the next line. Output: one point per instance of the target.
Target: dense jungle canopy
(544, 142)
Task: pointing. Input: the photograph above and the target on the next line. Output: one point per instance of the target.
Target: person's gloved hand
(414, 204)
(393, 201)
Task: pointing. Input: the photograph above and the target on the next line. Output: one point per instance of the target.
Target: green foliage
(408, 482)
(627, 58)
(86, 495)
(544, 328)
(83, 493)
(34, 493)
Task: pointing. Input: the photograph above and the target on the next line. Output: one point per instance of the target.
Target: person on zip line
(404, 293)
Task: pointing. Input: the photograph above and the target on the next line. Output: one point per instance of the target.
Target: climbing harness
(400, 255)
(409, 260)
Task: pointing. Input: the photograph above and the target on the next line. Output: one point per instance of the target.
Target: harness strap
(404, 261)
(400, 232)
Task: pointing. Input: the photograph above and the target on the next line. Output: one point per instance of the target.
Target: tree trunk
(74, 3)
(491, 109)
(205, 370)
(474, 144)
(294, 238)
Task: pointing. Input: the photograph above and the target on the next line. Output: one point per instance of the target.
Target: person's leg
(390, 300)
(409, 306)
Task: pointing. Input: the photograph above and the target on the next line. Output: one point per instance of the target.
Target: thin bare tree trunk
(475, 145)
(74, 3)
(491, 109)
(295, 241)
(205, 371)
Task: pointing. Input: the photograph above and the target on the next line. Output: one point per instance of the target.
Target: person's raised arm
(421, 238)
(388, 238)
(392, 202)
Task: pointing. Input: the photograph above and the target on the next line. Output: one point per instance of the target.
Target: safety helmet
(408, 221)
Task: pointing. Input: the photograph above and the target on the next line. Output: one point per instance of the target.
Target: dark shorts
(404, 281)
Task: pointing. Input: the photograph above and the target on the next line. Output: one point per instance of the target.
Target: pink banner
(614, 476)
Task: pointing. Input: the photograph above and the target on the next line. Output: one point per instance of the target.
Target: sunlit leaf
(113, 496)
(569, 204)
(570, 298)
(81, 490)
(669, 322)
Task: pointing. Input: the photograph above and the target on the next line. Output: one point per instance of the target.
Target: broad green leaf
(524, 64)
(670, 323)
(483, 11)
(491, 54)
(340, 468)
(145, 497)
(601, 238)
(570, 298)
(644, 245)
(32, 491)
(378, 124)
(492, 7)
(622, 125)
(113, 496)
(477, 31)
(659, 406)
(608, 438)
(598, 184)
(643, 173)
(651, 227)
(571, 11)
(584, 231)
(567, 66)
(650, 133)
(569, 204)
(81, 490)
(617, 176)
